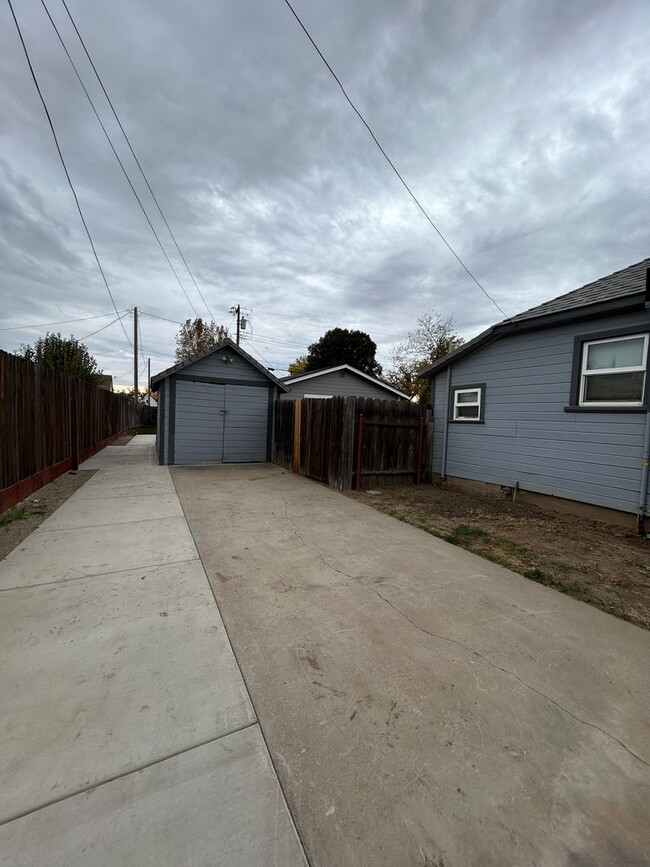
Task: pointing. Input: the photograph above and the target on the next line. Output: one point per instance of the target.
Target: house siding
(237, 369)
(190, 421)
(527, 437)
(332, 384)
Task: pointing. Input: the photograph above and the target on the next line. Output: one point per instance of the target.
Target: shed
(340, 381)
(216, 408)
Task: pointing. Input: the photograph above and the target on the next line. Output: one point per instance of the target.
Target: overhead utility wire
(104, 327)
(60, 322)
(164, 318)
(390, 162)
(142, 172)
(117, 157)
(65, 168)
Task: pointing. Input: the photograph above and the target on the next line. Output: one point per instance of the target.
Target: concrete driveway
(128, 735)
(423, 706)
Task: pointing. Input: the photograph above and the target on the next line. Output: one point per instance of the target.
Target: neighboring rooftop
(292, 380)
(620, 284)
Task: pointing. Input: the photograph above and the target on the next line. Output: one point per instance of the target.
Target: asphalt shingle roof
(620, 284)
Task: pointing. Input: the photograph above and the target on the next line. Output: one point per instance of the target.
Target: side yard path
(604, 565)
(128, 735)
(422, 705)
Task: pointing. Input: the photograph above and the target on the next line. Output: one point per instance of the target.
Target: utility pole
(149, 381)
(135, 358)
(236, 311)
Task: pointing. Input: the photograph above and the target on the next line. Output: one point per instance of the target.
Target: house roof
(623, 290)
(155, 380)
(292, 380)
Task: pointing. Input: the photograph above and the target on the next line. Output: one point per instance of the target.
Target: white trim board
(293, 380)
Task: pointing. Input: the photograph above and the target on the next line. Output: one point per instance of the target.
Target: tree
(432, 338)
(63, 354)
(342, 346)
(298, 366)
(196, 337)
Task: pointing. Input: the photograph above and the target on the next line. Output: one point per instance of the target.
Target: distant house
(555, 402)
(340, 381)
(105, 381)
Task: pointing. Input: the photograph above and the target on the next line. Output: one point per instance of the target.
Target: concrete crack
(460, 644)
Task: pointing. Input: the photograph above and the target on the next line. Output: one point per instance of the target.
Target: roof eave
(535, 323)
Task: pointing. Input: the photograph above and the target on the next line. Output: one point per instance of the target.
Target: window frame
(580, 344)
(453, 404)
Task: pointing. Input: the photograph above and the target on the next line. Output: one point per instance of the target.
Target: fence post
(297, 413)
(347, 443)
(74, 435)
(359, 451)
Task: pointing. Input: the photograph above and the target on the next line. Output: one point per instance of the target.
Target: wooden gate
(353, 442)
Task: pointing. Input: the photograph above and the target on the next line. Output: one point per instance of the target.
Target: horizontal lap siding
(527, 437)
(246, 423)
(334, 385)
(234, 369)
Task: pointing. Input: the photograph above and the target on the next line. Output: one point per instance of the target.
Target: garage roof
(155, 380)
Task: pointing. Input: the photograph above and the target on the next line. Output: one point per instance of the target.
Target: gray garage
(216, 408)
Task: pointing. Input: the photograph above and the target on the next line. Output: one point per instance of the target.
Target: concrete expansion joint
(466, 647)
(121, 776)
(63, 581)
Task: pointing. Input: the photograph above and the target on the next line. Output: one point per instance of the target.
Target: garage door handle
(224, 411)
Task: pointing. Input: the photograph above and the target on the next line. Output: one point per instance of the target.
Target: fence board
(35, 419)
(319, 438)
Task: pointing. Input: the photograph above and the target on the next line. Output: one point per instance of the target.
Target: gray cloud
(521, 126)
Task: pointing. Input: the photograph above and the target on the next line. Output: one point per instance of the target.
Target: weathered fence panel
(47, 421)
(353, 442)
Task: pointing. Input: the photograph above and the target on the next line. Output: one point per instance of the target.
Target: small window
(613, 371)
(319, 396)
(342, 374)
(467, 404)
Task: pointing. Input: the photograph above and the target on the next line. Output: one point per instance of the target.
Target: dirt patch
(602, 564)
(19, 521)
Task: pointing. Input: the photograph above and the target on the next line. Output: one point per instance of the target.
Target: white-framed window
(467, 404)
(613, 371)
(319, 396)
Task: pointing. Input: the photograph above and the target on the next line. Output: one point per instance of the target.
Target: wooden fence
(48, 423)
(353, 442)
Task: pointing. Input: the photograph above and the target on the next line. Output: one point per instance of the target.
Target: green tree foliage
(432, 338)
(197, 336)
(63, 354)
(342, 346)
(298, 366)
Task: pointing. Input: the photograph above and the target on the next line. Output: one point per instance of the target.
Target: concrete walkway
(422, 705)
(128, 735)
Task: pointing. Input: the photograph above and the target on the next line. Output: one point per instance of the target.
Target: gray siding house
(216, 408)
(340, 381)
(555, 401)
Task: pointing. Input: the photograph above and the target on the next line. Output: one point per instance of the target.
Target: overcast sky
(523, 127)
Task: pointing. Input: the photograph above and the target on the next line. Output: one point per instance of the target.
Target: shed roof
(620, 291)
(227, 343)
(314, 374)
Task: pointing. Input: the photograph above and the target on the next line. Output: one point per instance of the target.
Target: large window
(613, 371)
(468, 404)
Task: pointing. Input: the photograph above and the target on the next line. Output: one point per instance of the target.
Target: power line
(142, 172)
(164, 318)
(116, 155)
(389, 161)
(65, 168)
(104, 327)
(60, 322)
